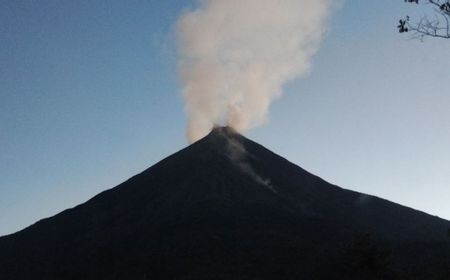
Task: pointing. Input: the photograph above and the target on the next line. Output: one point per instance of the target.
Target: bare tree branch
(439, 27)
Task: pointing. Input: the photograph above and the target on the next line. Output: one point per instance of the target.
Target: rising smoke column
(235, 56)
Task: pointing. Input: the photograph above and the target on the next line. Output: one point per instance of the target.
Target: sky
(89, 96)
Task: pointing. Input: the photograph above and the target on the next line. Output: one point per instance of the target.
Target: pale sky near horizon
(89, 97)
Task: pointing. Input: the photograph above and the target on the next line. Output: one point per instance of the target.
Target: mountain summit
(227, 208)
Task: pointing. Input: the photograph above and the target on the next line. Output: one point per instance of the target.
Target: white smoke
(237, 153)
(235, 56)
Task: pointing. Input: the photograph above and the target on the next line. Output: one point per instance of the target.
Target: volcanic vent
(227, 208)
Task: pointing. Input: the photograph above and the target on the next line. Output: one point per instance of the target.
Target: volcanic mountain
(227, 208)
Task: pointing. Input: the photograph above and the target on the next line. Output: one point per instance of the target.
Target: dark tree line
(436, 25)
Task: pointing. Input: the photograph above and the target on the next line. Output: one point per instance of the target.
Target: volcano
(227, 208)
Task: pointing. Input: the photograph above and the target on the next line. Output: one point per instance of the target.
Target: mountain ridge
(224, 197)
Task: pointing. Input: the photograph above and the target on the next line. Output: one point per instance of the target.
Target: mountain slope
(227, 208)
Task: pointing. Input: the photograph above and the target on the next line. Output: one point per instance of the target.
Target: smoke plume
(235, 56)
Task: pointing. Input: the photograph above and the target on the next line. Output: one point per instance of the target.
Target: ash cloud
(235, 56)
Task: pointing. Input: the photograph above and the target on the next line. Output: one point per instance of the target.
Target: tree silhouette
(366, 259)
(437, 26)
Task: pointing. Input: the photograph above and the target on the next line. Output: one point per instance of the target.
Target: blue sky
(89, 96)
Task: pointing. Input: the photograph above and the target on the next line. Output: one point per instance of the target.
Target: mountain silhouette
(225, 207)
